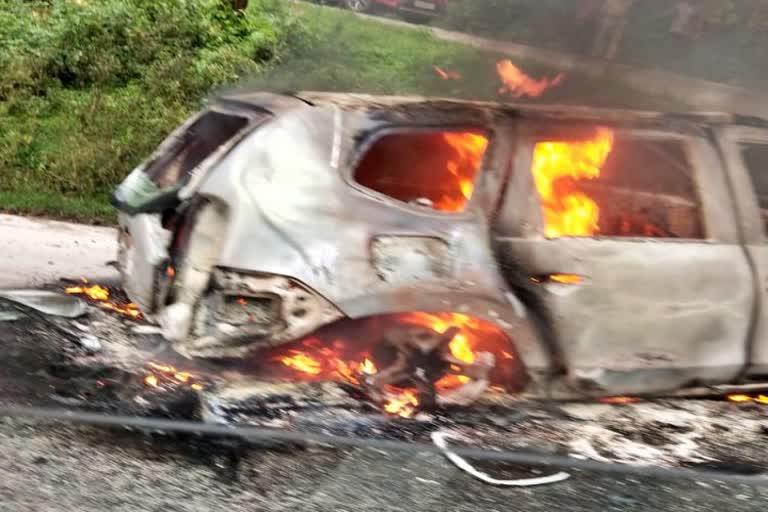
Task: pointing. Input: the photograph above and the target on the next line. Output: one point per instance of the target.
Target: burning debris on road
(420, 361)
(161, 375)
(317, 386)
(740, 398)
(100, 295)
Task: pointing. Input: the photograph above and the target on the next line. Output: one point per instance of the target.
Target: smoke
(646, 55)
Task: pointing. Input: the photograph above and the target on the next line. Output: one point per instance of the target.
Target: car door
(627, 242)
(153, 187)
(746, 151)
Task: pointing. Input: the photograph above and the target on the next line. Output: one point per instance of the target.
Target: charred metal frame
(650, 316)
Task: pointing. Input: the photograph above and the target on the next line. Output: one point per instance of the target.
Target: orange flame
(367, 367)
(459, 346)
(447, 75)
(557, 168)
(166, 373)
(303, 362)
(315, 359)
(517, 84)
(94, 292)
(619, 400)
(441, 322)
(100, 295)
(566, 278)
(401, 402)
(470, 149)
(740, 398)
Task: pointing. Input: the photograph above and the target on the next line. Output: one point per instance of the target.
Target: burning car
(446, 248)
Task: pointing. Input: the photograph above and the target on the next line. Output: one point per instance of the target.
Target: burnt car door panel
(746, 152)
(650, 288)
(168, 179)
(153, 188)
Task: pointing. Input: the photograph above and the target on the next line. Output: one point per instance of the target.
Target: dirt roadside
(36, 251)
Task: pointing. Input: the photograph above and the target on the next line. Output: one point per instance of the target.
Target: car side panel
(754, 236)
(650, 315)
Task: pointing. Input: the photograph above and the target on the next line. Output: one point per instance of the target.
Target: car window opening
(616, 187)
(755, 156)
(435, 170)
(198, 142)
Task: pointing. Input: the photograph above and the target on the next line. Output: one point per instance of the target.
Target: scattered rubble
(90, 343)
(440, 439)
(102, 362)
(50, 303)
(9, 316)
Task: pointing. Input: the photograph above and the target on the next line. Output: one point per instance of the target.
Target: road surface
(56, 467)
(38, 251)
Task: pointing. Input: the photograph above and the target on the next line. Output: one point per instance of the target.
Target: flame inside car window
(629, 186)
(558, 168)
(434, 170)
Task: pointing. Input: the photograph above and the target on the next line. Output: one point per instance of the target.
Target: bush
(90, 87)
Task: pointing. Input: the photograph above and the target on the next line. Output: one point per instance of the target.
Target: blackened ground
(52, 467)
(59, 468)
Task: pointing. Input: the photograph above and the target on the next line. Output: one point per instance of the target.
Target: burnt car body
(280, 224)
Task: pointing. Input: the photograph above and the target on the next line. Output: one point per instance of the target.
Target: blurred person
(587, 11)
(689, 18)
(612, 20)
(586, 23)
(238, 5)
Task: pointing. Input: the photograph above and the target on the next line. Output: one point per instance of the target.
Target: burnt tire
(358, 5)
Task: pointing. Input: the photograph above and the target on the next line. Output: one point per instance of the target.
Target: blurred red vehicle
(419, 11)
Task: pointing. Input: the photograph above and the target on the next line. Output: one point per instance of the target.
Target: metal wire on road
(249, 433)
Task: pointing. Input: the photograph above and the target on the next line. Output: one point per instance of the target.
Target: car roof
(277, 102)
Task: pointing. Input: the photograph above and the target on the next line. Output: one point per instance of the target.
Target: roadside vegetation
(344, 53)
(729, 48)
(89, 88)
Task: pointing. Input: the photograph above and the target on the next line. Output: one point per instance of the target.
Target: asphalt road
(81, 469)
(58, 467)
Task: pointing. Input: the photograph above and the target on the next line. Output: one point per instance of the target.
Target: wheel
(358, 5)
(416, 18)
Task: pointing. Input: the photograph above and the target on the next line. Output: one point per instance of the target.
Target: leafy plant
(89, 87)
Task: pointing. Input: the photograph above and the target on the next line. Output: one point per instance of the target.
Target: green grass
(94, 210)
(63, 151)
(350, 54)
(730, 49)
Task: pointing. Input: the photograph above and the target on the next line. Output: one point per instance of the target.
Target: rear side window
(435, 170)
(617, 186)
(756, 161)
(197, 143)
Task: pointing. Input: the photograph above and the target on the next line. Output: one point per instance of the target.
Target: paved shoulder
(35, 251)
